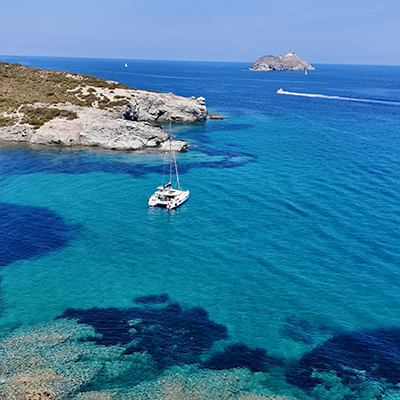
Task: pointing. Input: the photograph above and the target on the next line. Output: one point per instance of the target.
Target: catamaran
(166, 196)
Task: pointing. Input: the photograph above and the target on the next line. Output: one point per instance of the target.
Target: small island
(69, 109)
(285, 62)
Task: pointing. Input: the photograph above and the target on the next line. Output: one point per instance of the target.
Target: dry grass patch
(22, 85)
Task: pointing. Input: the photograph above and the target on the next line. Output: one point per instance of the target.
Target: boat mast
(176, 171)
(170, 158)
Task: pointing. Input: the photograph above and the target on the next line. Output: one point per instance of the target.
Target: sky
(320, 31)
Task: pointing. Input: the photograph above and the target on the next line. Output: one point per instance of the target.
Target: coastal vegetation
(69, 109)
(38, 116)
(21, 87)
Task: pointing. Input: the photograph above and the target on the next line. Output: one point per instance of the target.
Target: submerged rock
(354, 358)
(241, 356)
(56, 360)
(193, 384)
(64, 359)
(167, 332)
(177, 146)
(216, 117)
(41, 361)
(152, 299)
(284, 62)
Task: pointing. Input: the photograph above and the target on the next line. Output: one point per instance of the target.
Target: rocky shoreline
(115, 118)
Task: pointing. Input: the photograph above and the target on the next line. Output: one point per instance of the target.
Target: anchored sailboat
(166, 195)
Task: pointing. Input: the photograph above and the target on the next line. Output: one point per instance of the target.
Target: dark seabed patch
(152, 299)
(240, 355)
(301, 331)
(22, 161)
(372, 355)
(170, 334)
(27, 232)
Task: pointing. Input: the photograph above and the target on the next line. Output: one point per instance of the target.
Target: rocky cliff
(59, 108)
(284, 62)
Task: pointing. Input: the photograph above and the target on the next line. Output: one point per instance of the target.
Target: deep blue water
(285, 260)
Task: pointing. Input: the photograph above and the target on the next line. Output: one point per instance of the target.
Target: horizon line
(174, 60)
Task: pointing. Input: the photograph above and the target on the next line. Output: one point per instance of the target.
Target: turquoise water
(289, 239)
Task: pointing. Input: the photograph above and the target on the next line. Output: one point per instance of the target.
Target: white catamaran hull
(178, 200)
(168, 198)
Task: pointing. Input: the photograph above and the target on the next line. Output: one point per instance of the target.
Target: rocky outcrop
(163, 107)
(96, 113)
(216, 117)
(284, 62)
(93, 127)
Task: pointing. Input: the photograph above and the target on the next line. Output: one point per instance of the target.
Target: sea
(280, 276)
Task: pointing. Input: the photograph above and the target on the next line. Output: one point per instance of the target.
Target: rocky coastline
(285, 62)
(90, 112)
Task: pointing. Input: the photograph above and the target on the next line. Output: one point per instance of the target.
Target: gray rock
(216, 116)
(93, 127)
(284, 62)
(121, 128)
(163, 107)
(177, 146)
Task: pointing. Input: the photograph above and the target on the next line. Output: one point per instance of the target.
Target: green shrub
(22, 85)
(6, 121)
(37, 117)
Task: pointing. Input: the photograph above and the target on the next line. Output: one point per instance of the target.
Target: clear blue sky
(321, 31)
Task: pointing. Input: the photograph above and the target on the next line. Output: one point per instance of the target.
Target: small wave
(323, 96)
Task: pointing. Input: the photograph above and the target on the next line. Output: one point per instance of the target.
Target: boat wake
(323, 96)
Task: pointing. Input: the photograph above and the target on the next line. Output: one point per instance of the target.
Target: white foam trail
(323, 96)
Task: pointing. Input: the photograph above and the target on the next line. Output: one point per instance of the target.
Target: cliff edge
(61, 108)
(285, 62)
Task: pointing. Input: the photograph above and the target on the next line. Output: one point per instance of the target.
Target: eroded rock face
(284, 62)
(125, 127)
(102, 128)
(163, 107)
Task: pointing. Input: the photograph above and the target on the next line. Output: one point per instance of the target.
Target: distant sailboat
(126, 65)
(305, 71)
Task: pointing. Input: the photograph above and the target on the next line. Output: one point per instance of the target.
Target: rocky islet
(285, 62)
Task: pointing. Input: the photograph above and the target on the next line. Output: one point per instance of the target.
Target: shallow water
(289, 239)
